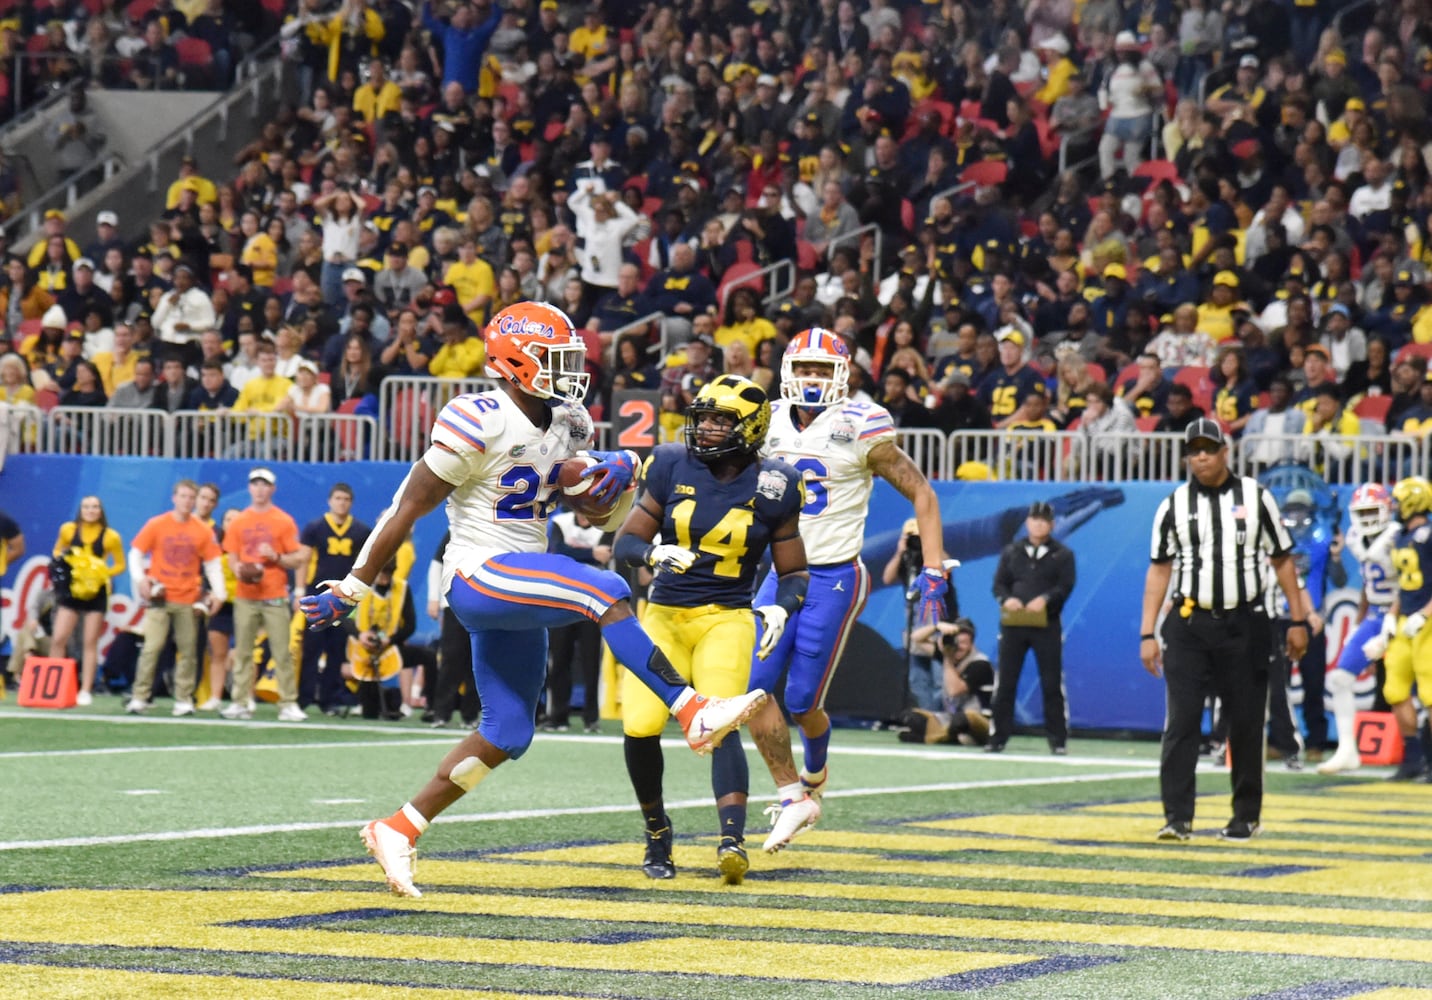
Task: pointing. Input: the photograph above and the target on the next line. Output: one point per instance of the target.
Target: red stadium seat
(1373, 408)
(139, 8)
(907, 215)
(1421, 350)
(1048, 139)
(1146, 425)
(986, 172)
(969, 109)
(1157, 170)
(593, 341)
(642, 250)
(412, 416)
(735, 272)
(1097, 373)
(650, 206)
(47, 399)
(806, 257)
(193, 52)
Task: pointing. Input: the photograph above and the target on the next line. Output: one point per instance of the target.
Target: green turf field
(200, 858)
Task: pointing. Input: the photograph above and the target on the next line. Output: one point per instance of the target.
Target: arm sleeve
(214, 574)
(138, 566)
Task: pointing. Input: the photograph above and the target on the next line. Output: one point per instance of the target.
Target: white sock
(419, 821)
(790, 793)
(682, 699)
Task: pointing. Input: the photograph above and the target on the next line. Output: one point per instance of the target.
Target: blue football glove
(325, 610)
(617, 469)
(930, 588)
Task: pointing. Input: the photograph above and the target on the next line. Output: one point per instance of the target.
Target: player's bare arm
(891, 464)
(421, 493)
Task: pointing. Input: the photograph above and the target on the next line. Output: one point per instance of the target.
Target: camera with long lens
(912, 562)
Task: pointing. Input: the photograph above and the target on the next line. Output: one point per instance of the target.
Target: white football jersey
(507, 487)
(1374, 554)
(831, 454)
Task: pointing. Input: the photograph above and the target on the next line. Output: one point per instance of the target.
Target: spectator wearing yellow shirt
(744, 322)
(265, 393)
(201, 185)
(15, 387)
(54, 226)
(1331, 430)
(1215, 317)
(1054, 53)
(116, 366)
(260, 251)
(472, 278)
(462, 353)
(590, 41)
(1340, 128)
(379, 96)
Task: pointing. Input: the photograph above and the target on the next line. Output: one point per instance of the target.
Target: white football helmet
(1371, 508)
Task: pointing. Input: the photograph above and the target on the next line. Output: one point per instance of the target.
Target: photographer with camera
(924, 673)
(968, 687)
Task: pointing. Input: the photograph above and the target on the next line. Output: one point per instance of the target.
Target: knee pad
(1340, 681)
(468, 773)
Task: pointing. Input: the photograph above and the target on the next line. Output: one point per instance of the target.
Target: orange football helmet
(533, 346)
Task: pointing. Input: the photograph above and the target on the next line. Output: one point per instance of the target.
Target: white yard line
(529, 814)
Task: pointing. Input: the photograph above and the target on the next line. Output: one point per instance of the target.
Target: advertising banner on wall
(1107, 527)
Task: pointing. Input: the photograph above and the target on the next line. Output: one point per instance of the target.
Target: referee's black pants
(1226, 656)
(1015, 642)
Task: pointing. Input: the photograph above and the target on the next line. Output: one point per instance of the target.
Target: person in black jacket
(1035, 576)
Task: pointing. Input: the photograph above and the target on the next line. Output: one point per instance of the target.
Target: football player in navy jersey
(718, 506)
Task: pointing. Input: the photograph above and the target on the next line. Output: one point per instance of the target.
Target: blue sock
(816, 748)
(631, 645)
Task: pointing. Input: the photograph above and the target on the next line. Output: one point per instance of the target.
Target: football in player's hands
(576, 488)
(250, 572)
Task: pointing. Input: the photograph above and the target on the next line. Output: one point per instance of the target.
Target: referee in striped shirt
(1213, 539)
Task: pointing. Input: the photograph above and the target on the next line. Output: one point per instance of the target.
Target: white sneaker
(136, 707)
(84, 699)
(182, 708)
(718, 716)
(292, 713)
(789, 821)
(814, 784)
(212, 705)
(397, 857)
(238, 710)
(1346, 759)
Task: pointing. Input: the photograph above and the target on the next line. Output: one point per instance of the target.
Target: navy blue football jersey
(727, 524)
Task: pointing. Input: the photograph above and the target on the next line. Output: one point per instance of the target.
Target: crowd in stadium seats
(1002, 207)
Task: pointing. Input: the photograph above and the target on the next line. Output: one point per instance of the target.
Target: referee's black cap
(1205, 429)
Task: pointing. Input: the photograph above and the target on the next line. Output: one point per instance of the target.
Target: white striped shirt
(1219, 540)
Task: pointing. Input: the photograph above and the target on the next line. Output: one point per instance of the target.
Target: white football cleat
(238, 710)
(789, 821)
(717, 717)
(292, 713)
(397, 857)
(1346, 759)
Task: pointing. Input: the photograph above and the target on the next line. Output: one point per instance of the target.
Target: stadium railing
(775, 291)
(928, 449)
(1339, 459)
(407, 406)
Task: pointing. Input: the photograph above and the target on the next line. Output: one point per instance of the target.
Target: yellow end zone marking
(583, 871)
(130, 918)
(53, 982)
(1278, 809)
(1393, 993)
(1115, 831)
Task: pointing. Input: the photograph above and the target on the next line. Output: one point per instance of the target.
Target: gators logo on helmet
(737, 416)
(533, 346)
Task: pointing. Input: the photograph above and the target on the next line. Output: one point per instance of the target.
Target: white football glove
(1414, 624)
(670, 558)
(773, 618)
(1375, 648)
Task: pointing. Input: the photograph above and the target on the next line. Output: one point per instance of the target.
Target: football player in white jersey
(494, 459)
(838, 445)
(1371, 539)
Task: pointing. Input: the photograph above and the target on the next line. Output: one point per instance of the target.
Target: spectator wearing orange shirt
(166, 560)
(262, 546)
